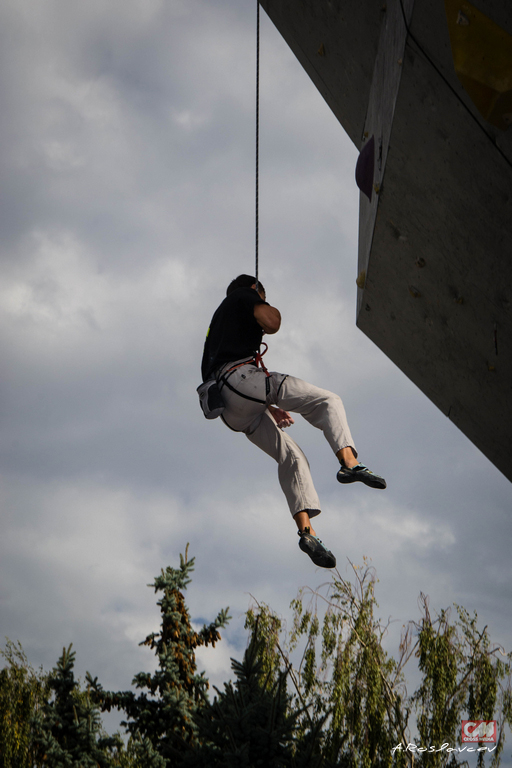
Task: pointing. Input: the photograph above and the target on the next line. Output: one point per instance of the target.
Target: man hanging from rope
(258, 403)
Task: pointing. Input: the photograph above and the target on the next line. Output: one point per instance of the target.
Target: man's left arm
(268, 317)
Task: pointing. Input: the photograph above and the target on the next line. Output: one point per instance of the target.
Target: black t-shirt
(234, 332)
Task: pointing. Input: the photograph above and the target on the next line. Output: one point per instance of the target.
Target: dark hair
(243, 281)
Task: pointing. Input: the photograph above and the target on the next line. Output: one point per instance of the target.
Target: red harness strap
(259, 362)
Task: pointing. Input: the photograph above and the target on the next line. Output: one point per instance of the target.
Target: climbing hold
(365, 167)
(482, 57)
(361, 279)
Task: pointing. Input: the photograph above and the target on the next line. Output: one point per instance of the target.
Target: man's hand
(282, 418)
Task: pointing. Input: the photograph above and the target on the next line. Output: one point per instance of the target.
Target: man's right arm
(268, 317)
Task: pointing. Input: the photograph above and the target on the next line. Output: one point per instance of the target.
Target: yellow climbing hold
(482, 56)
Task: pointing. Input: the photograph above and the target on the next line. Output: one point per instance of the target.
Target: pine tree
(67, 729)
(162, 718)
(249, 723)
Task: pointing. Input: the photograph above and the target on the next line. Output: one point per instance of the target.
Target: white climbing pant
(319, 407)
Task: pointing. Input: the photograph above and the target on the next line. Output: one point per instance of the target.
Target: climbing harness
(257, 361)
(210, 397)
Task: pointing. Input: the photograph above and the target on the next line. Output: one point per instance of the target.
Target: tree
(343, 703)
(162, 720)
(463, 677)
(351, 695)
(22, 693)
(251, 722)
(67, 728)
(357, 693)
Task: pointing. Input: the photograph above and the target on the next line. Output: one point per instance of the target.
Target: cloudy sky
(127, 163)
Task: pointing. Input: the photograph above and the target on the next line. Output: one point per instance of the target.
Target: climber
(259, 403)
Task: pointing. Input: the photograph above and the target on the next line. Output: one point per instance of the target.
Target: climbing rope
(257, 137)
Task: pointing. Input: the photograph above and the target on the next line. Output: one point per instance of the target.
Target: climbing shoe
(362, 473)
(317, 551)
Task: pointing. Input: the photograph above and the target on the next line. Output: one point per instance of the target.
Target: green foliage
(344, 704)
(266, 626)
(162, 720)
(248, 724)
(22, 693)
(67, 728)
(354, 695)
(463, 678)
(139, 753)
(348, 689)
